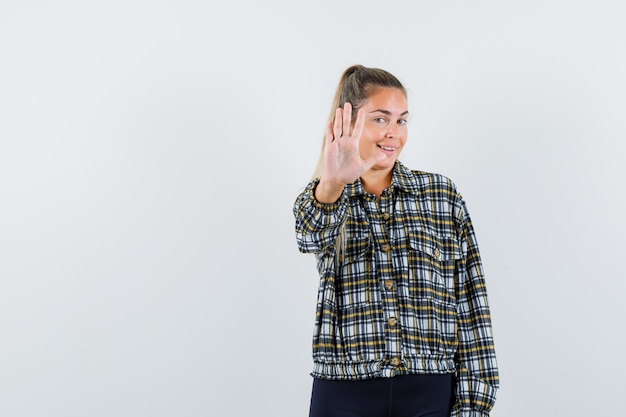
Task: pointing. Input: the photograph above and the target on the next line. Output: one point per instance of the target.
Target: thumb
(370, 162)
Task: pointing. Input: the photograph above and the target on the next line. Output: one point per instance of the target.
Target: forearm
(477, 370)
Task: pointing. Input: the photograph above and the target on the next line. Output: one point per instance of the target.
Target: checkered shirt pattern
(406, 292)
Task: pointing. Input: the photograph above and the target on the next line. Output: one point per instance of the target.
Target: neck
(375, 181)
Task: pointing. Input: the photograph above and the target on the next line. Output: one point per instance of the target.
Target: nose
(392, 131)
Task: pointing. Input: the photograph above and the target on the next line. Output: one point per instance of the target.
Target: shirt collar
(401, 178)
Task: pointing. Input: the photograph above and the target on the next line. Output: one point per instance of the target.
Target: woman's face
(385, 127)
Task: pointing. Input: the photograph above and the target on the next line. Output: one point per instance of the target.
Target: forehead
(387, 99)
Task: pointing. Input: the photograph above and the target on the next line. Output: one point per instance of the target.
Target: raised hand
(342, 162)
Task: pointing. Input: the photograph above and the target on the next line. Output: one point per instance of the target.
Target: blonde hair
(355, 86)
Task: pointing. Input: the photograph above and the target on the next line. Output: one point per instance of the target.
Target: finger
(329, 133)
(358, 125)
(337, 125)
(347, 118)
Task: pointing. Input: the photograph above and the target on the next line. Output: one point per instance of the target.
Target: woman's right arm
(317, 223)
(321, 208)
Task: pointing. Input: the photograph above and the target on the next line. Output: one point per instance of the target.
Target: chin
(386, 164)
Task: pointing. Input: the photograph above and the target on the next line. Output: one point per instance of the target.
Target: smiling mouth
(386, 148)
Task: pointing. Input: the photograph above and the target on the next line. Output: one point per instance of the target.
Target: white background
(151, 152)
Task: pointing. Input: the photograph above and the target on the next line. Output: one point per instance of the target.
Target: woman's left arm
(477, 370)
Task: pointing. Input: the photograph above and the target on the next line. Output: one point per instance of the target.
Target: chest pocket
(432, 266)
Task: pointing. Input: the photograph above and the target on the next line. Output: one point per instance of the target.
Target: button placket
(381, 225)
(392, 334)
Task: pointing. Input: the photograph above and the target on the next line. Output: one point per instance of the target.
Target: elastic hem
(381, 368)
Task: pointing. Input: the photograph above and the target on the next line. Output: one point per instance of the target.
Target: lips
(386, 148)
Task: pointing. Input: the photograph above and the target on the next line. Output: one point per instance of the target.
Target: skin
(367, 149)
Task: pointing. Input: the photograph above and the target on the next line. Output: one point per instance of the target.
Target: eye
(403, 121)
(381, 121)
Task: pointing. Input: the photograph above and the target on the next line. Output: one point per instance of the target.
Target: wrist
(328, 192)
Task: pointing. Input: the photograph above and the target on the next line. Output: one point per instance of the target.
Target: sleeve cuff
(326, 207)
(474, 397)
(467, 412)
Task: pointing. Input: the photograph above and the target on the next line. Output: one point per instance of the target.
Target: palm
(342, 161)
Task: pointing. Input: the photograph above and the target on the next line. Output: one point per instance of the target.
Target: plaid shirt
(406, 293)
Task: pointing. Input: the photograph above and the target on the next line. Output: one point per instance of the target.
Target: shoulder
(419, 182)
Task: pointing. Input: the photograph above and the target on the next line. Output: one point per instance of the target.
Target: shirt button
(392, 321)
(388, 284)
(395, 361)
(386, 216)
(385, 247)
(437, 253)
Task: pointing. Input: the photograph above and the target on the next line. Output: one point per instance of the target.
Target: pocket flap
(440, 248)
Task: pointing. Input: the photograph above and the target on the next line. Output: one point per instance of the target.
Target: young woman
(402, 325)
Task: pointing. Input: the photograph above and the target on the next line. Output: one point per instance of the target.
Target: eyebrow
(388, 113)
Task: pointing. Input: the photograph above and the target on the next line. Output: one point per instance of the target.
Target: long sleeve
(317, 224)
(477, 378)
